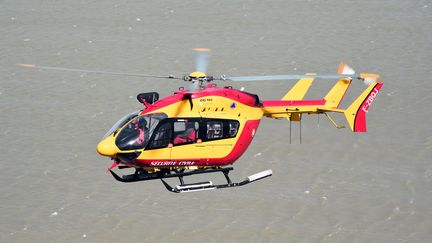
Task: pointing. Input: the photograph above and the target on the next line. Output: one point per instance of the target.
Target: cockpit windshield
(136, 133)
(121, 123)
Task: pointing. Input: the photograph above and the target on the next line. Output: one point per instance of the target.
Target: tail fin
(356, 112)
(297, 92)
(336, 94)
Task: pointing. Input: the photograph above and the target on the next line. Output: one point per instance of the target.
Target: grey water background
(336, 186)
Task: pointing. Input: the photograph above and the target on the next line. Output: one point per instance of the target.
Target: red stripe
(360, 118)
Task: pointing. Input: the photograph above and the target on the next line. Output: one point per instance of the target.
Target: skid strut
(141, 175)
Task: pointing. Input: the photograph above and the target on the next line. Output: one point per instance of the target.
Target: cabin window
(219, 129)
(214, 130)
(185, 132)
(191, 130)
(232, 128)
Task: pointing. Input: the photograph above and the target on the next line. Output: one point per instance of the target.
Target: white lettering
(370, 99)
(172, 163)
(186, 162)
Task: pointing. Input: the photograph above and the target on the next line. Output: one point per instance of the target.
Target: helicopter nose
(107, 147)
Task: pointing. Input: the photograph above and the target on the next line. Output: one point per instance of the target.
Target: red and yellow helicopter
(206, 128)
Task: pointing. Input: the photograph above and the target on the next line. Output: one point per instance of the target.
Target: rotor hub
(199, 77)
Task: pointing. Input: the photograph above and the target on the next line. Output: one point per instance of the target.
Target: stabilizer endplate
(356, 112)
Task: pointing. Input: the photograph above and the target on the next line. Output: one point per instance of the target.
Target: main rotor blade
(201, 59)
(288, 77)
(94, 71)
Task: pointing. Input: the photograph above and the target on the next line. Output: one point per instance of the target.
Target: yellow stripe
(336, 94)
(298, 91)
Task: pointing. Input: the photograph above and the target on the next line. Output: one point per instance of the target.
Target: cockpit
(137, 131)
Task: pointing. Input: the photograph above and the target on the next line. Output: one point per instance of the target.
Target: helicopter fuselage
(206, 128)
(213, 126)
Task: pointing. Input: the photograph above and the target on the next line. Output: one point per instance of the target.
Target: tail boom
(286, 108)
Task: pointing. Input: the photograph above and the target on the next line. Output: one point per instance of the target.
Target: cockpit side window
(136, 133)
(162, 136)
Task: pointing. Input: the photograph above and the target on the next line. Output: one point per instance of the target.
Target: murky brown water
(335, 187)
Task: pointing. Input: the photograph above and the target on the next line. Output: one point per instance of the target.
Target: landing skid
(142, 175)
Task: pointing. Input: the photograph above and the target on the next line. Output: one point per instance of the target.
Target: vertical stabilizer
(298, 91)
(356, 112)
(336, 94)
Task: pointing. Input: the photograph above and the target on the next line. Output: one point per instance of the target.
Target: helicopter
(205, 128)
